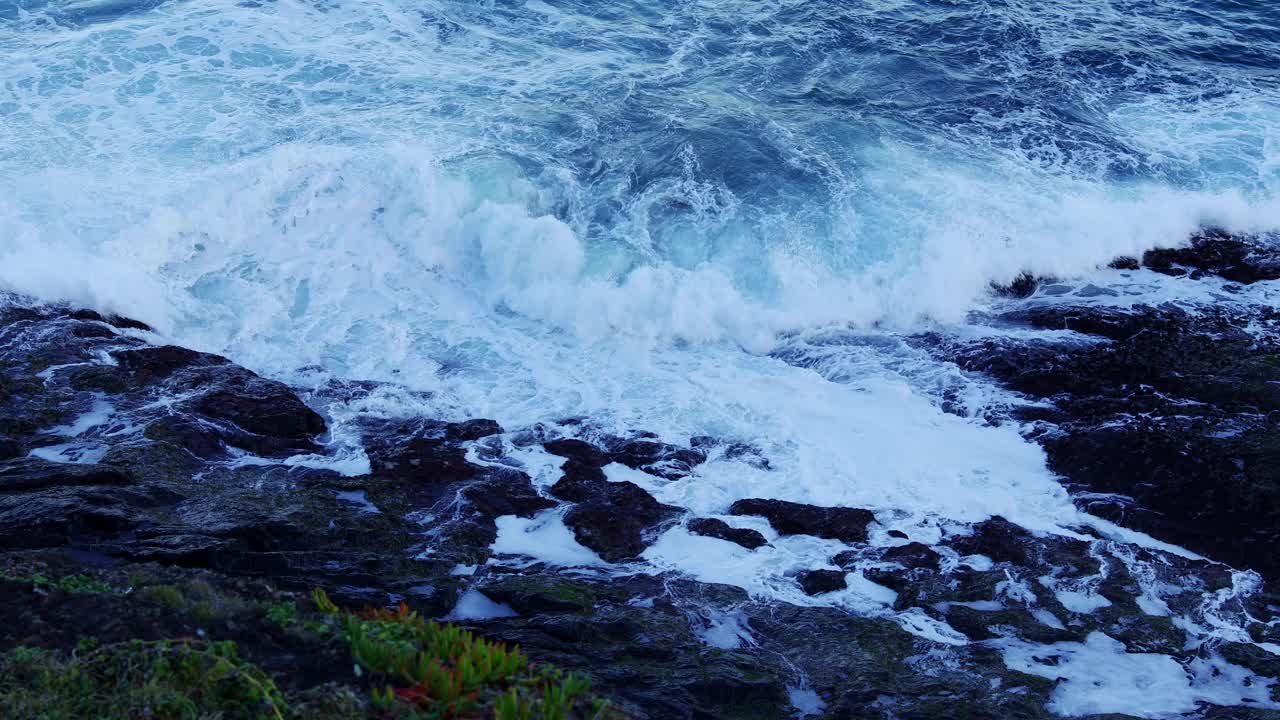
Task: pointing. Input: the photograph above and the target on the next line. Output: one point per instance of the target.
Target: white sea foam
(724, 630)
(78, 453)
(1098, 676)
(805, 700)
(544, 538)
(96, 416)
(475, 605)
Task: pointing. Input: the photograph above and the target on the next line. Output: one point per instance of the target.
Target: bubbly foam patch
(1098, 676)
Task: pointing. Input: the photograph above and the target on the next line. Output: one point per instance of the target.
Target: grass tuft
(176, 680)
(403, 667)
(74, 584)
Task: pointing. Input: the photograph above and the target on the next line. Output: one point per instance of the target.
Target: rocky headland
(152, 492)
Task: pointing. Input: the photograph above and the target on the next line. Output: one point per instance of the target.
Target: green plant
(74, 584)
(409, 668)
(165, 680)
(441, 671)
(167, 595)
(283, 614)
(510, 706)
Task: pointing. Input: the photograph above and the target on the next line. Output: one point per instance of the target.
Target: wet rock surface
(1162, 418)
(116, 452)
(712, 527)
(816, 582)
(789, 518)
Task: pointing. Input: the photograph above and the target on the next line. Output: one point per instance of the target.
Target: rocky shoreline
(119, 457)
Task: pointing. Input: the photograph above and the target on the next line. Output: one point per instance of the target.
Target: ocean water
(707, 217)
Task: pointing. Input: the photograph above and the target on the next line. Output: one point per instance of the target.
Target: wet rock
(711, 527)
(906, 584)
(663, 646)
(912, 555)
(60, 516)
(737, 451)
(281, 422)
(1208, 493)
(617, 520)
(848, 558)
(670, 462)
(1239, 259)
(183, 550)
(102, 378)
(578, 451)
(506, 492)
(618, 532)
(979, 625)
(127, 323)
(90, 330)
(817, 582)
(1022, 286)
(741, 692)
(1252, 657)
(1143, 633)
(1155, 416)
(200, 439)
(470, 430)
(151, 363)
(35, 474)
(530, 595)
(998, 539)
(788, 518)
(428, 452)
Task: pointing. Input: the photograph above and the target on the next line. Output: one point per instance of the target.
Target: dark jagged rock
(578, 451)
(617, 520)
(788, 518)
(912, 555)
(1157, 417)
(529, 595)
(54, 517)
(419, 529)
(979, 625)
(737, 451)
(711, 527)
(817, 582)
(1239, 259)
(1021, 287)
(469, 430)
(200, 439)
(506, 492)
(34, 474)
(227, 404)
(269, 410)
(128, 323)
(584, 483)
(903, 583)
(997, 539)
(429, 452)
(671, 462)
(848, 558)
(150, 363)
